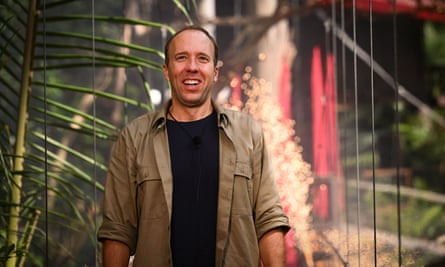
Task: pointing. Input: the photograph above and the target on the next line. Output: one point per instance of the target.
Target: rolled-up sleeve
(119, 205)
(269, 213)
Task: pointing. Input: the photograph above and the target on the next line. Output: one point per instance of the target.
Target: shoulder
(142, 125)
(242, 125)
(241, 120)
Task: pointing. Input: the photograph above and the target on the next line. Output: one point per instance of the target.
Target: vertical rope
(357, 155)
(373, 149)
(45, 133)
(397, 134)
(344, 100)
(325, 114)
(93, 26)
(125, 104)
(334, 81)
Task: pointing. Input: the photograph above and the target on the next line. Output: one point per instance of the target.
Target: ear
(219, 64)
(215, 75)
(165, 70)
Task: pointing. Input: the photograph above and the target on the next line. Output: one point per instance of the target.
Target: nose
(192, 64)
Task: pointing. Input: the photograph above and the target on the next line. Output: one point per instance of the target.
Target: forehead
(192, 41)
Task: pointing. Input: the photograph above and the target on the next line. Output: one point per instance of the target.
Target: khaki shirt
(138, 191)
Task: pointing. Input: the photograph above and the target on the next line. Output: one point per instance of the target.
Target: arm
(115, 254)
(273, 248)
(271, 222)
(118, 229)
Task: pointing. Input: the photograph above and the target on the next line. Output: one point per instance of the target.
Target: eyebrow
(187, 53)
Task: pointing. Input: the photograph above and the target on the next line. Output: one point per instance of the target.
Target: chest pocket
(243, 189)
(149, 194)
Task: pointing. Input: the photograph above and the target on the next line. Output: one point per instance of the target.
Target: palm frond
(56, 101)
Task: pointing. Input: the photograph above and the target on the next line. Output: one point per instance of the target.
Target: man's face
(190, 70)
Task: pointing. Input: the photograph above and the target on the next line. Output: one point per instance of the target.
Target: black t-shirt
(194, 150)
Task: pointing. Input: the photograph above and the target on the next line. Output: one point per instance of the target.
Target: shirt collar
(161, 116)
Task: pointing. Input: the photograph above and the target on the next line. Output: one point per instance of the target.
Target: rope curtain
(352, 44)
(371, 61)
(335, 35)
(45, 130)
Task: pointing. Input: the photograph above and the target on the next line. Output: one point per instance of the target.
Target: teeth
(191, 82)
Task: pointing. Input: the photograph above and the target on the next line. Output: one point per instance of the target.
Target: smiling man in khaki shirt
(192, 185)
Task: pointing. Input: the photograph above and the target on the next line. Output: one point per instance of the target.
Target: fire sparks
(293, 175)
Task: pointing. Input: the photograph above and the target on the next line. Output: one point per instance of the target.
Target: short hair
(196, 28)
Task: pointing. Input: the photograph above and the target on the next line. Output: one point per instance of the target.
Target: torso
(194, 150)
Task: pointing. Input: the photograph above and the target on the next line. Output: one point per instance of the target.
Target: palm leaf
(56, 124)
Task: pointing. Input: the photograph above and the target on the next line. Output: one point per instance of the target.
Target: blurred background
(350, 93)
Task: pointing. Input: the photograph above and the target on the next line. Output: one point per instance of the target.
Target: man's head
(191, 66)
(192, 27)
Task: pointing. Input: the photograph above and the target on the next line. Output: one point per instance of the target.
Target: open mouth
(191, 82)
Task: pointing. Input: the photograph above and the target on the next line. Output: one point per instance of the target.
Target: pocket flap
(243, 169)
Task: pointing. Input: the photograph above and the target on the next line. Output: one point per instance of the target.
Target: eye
(180, 57)
(204, 59)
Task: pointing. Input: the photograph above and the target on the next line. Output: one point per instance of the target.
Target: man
(192, 185)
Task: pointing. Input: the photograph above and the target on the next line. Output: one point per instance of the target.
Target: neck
(180, 113)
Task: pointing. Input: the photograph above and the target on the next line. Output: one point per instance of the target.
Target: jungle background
(351, 95)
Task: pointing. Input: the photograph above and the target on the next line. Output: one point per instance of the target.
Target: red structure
(432, 10)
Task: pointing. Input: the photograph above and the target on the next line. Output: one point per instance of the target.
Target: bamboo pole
(27, 237)
(22, 119)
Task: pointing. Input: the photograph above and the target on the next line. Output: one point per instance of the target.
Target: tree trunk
(274, 49)
(207, 12)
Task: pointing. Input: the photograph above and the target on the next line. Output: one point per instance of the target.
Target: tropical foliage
(60, 64)
(70, 77)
